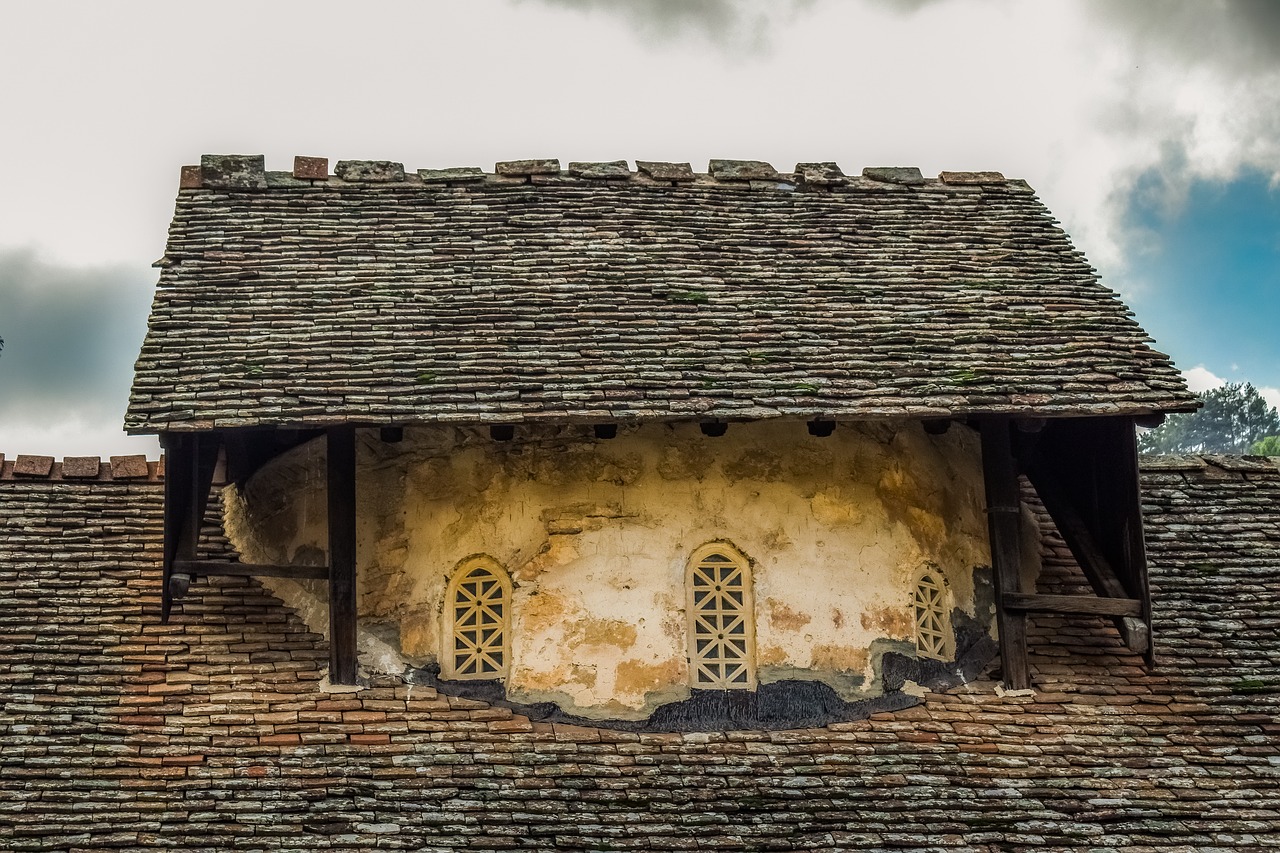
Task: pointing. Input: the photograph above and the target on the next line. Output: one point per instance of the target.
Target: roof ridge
(132, 468)
(1228, 463)
(249, 172)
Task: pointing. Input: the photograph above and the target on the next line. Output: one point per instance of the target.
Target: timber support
(1085, 471)
(190, 461)
(1004, 517)
(342, 554)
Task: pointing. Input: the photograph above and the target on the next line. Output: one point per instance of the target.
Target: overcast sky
(1151, 129)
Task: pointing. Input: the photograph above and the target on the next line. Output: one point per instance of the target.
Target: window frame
(746, 611)
(937, 605)
(448, 659)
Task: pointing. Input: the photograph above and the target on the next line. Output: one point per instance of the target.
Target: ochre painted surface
(597, 534)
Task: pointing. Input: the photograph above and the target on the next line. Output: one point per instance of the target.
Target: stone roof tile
(444, 298)
(81, 467)
(32, 466)
(108, 715)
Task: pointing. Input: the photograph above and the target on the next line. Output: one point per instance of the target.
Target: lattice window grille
(480, 602)
(931, 618)
(721, 630)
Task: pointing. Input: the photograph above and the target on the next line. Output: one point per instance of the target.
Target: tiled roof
(214, 733)
(598, 293)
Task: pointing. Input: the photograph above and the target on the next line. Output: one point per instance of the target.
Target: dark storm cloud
(739, 25)
(70, 337)
(1233, 43)
(1242, 36)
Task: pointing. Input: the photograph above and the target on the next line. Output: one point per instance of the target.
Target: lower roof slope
(605, 294)
(213, 732)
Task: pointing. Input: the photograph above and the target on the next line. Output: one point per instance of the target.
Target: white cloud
(72, 436)
(1271, 395)
(1086, 100)
(1080, 98)
(1200, 378)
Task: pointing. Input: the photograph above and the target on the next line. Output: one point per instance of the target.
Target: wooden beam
(342, 554)
(200, 568)
(1004, 516)
(1127, 509)
(1085, 605)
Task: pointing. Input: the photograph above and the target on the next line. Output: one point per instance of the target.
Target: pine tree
(1233, 419)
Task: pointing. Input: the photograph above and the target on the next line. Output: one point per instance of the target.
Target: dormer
(670, 431)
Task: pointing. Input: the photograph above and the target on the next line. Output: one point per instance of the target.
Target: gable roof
(598, 293)
(215, 732)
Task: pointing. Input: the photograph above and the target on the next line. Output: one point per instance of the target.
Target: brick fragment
(908, 175)
(976, 178)
(132, 467)
(742, 170)
(33, 466)
(311, 168)
(611, 169)
(81, 467)
(821, 174)
(369, 171)
(458, 174)
(233, 171)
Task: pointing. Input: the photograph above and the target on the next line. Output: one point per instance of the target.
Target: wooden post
(177, 491)
(342, 554)
(1004, 515)
(1133, 547)
(190, 459)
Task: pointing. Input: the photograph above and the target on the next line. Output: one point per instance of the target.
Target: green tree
(1269, 446)
(1233, 418)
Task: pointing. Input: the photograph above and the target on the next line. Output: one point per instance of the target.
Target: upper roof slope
(597, 293)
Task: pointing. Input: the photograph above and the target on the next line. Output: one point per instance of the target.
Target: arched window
(721, 623)
(478, 608)
(933, 625)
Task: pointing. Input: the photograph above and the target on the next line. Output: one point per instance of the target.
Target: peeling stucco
(596, 536)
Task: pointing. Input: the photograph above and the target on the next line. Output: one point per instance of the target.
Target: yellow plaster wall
(596, 535)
